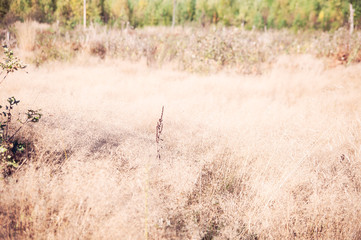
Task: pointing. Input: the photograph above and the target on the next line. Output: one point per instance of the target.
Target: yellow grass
(275, 156)
(26, 34)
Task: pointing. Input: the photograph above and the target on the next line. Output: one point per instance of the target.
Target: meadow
(260, 135)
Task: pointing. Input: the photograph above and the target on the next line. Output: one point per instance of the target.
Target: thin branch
(4, 77)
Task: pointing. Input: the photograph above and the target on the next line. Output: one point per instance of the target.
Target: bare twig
(21, 165)
(2, 80)
(158, 132)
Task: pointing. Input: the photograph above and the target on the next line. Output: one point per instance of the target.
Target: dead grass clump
(98, 49)
(76, 46)
(218, 184)
(26, 34)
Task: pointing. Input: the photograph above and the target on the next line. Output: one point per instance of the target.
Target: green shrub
(11, 148)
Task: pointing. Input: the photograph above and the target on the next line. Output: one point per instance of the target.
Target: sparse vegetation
(197, 50)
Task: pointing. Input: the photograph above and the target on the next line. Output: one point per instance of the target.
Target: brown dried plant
(158, 132)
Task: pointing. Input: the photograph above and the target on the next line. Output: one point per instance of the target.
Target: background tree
(4, 8)
(297, 14)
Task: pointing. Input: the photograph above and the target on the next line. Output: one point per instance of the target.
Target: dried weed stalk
(158, 132)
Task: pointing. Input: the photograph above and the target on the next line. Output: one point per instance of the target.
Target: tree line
(297, 14)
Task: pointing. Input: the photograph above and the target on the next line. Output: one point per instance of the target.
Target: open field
(270, 156)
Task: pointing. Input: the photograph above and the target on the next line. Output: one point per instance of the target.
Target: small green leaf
(14, 164)
(2, 149)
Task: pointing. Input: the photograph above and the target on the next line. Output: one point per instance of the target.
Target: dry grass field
(274, 156)
(268, 156)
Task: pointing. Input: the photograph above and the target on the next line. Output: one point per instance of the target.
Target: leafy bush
(11, 148)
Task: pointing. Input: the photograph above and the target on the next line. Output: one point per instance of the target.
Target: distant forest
(297, 14)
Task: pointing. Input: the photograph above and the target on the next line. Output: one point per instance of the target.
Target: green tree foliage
(4, 8)
(186, 12)
(40, 10)
(297, 14)
(357, 7)
(70, 12)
